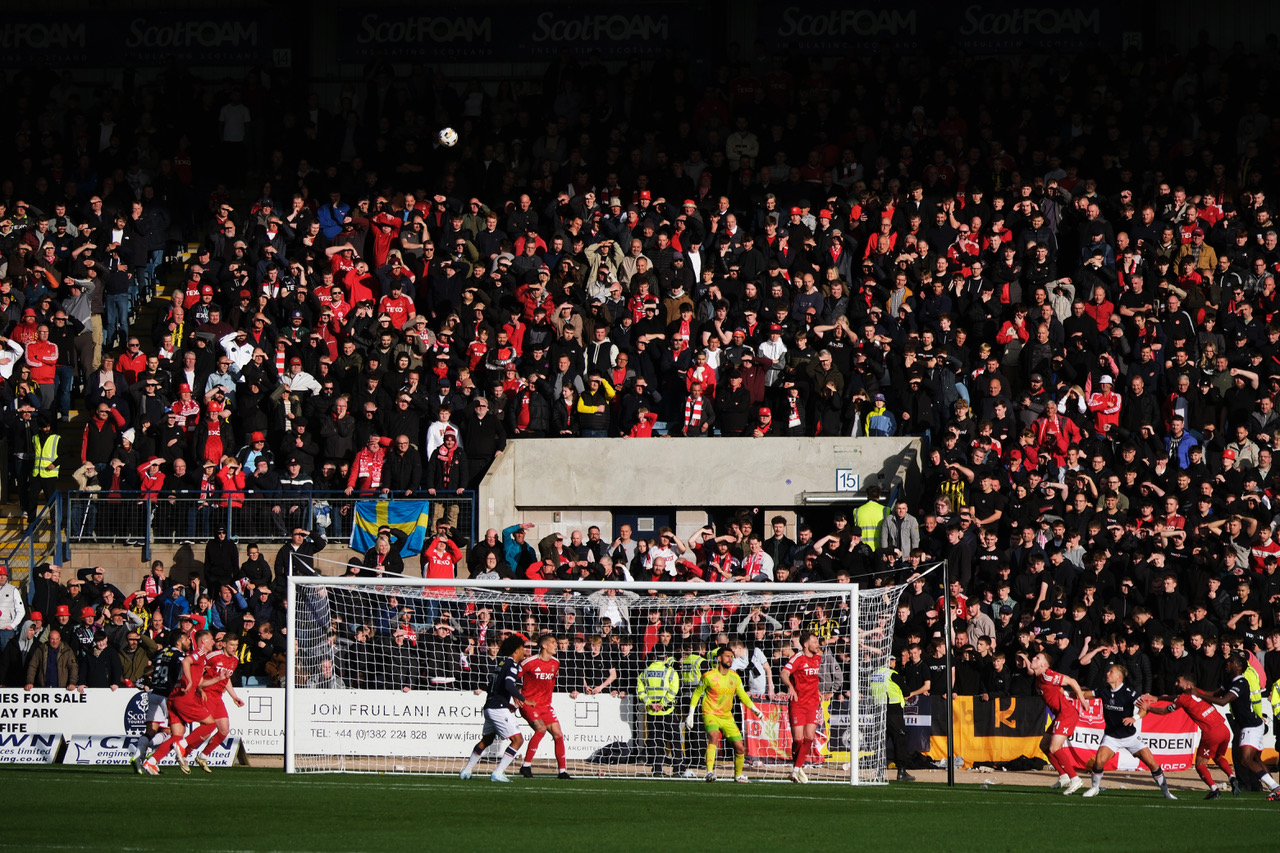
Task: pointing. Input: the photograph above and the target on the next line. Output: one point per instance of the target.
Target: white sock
(527, 763)
(1097, 780)
(1063, 777)
(159, 738)
(474, 759)
(508, 756)
(1266, 779)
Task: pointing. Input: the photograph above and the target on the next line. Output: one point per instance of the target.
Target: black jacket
(402, 471)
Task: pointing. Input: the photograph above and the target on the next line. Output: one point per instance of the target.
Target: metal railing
(137, 518)
(42, 542)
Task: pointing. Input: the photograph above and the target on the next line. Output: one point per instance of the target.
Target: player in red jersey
(186, 705)
(538, 681)
(1065, 718)
(800, 675)
(1215, 737)
(218, 669)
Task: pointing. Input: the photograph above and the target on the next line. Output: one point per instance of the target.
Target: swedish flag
(412, 517)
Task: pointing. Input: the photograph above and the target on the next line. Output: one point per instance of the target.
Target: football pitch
(249, 809)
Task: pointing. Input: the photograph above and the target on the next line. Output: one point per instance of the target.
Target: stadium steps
(72, 429)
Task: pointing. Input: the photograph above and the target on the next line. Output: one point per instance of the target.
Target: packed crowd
(1062, 282)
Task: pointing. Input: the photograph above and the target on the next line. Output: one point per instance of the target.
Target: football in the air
(448, 137)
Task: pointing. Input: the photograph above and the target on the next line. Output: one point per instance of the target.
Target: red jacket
(131, 365)
(42, 358)
(441, 566)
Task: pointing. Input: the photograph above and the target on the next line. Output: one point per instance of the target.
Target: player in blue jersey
(1246, 719)
(499, 719)
(1119, 713)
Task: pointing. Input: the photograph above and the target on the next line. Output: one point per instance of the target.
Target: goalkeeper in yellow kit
(717, 690)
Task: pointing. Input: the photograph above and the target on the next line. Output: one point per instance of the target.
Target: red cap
(154, 460)
(36, 616)
(1229, 454)
(206, 290)
(214, 407)
(296, 360)
(63, 610)
(29, 312)
(774, 328)
(245, 294)
(765, 413)
(688, 202)
(645, 194)
(184, 388)
(257, 436)
(87, 613)
(824, 214)
(795, 211)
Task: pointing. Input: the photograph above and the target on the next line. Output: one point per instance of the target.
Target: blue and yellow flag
(412, 517)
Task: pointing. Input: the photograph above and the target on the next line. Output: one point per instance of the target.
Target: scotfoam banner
(830, 27)
(147, 37)
(512, 32)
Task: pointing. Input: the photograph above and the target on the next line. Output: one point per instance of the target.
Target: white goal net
(390, 675)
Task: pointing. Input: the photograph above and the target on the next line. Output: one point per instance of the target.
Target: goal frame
(297, 581)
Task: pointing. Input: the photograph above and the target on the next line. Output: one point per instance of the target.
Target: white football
(448, 137)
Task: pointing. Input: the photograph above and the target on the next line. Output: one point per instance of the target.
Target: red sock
(1203, 770)
(533, 746)
(559, 744)
(197, 735)
(1066, 762)
(163, 749)
(802, 754)
(1225, 763)
(209, 747)
(1057, 765)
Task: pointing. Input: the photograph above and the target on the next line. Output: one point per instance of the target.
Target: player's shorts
(1065, 723)
(217, 707)
(545, 713)
(725, 725)
(500, 721)
(186, 709)
(805, 715)
(157, 709)
(1213, 744)
(1131, 744)
(1252, 736)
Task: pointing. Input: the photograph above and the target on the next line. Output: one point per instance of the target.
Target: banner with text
(989, 730)
(994, 26)
(1004, 729)
(768, 738)
(435, 723)
(119, 750)
(29, 748)
(259, 724)
(147, 37)
(1172, 739)
(511, 32)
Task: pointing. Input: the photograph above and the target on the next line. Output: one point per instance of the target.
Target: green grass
(80, 808)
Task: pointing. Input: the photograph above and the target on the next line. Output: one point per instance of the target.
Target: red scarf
(446, 463)
(693, 412)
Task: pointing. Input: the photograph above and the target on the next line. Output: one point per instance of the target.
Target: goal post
(388, 674)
